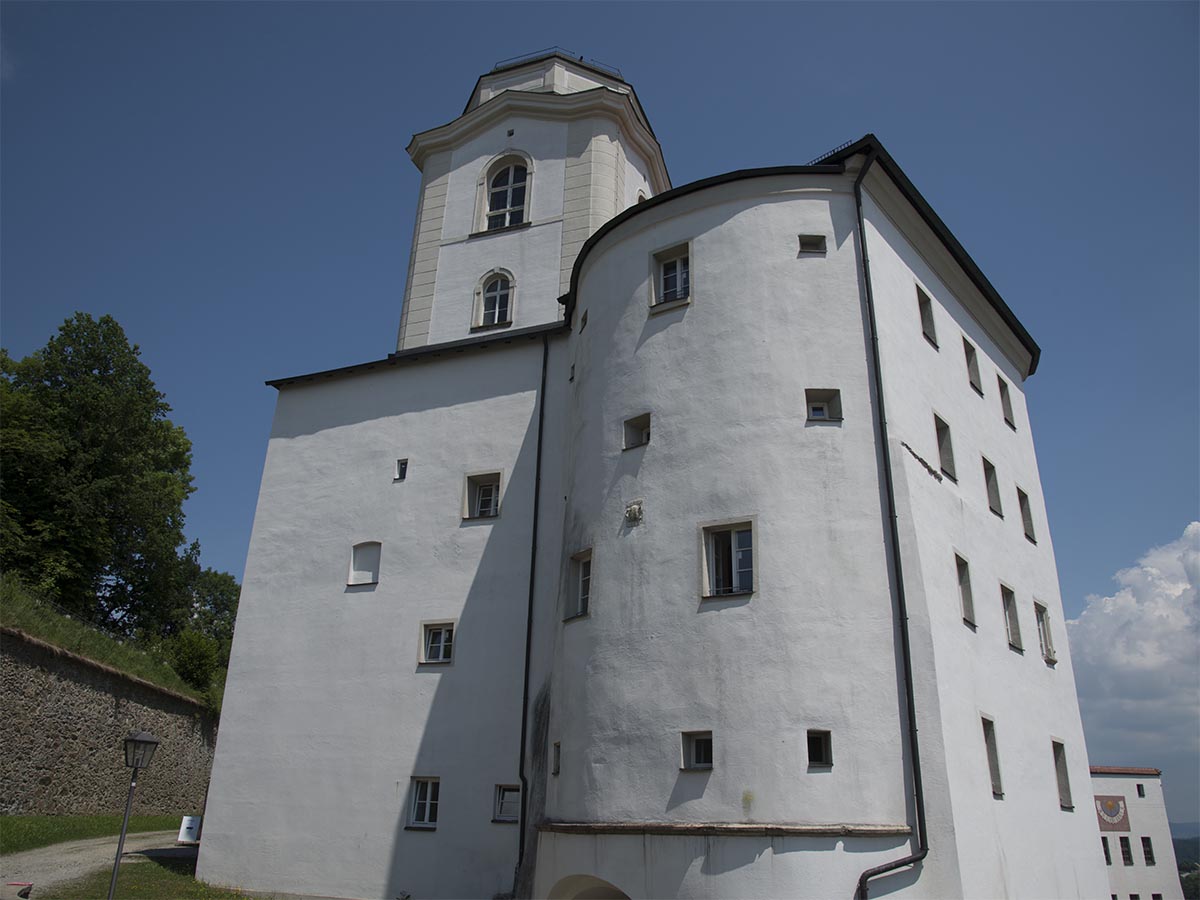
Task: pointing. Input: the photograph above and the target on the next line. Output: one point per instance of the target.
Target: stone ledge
(727, 829)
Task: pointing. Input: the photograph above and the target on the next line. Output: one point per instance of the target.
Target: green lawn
(169, 878)
(19, 833)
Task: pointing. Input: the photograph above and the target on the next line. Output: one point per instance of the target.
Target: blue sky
(229, 181)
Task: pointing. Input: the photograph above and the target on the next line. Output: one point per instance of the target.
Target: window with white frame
(965, 597)
(729, 559)
(1012, 624)
(945, 447)
(581, 585)
(925, 308)
(507, 195)
(508, 803)
(672, 275)
(637, 431)
(1026, 515)
(1006, 403)
(364, 563)
(495, 302)
(401, 470)
(424, 810)
(437, 642)
(992, 484)
(824, 404)
(482, 496)
(993, 757)
(973, 367)
(697, 750)
(1060, 773)
(1043, 626)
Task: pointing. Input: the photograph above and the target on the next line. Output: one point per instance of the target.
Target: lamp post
(139, 750)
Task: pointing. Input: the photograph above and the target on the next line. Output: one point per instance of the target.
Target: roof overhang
(1125, 770)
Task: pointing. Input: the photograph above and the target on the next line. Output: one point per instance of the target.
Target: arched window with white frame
(507, 194)
(494, 300)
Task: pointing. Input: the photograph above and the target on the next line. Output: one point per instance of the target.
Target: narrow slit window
(1012, 625)
(1044, 638)
(1107, 851)
(1060, 772)
(556, 758)
(973, 367)
(966, 598)
(812, 243)
(1141, 790)
(1026, 515)
(580, 597)
(1006, 403)
(820, 748)
(925, 307)
(993, 758)
(993, 488)
(730, 559)
(697, 750)
(401, 470)
(945, 447)
(824, 404)
(483, 496)
(637, 431)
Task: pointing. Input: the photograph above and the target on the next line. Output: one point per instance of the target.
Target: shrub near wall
(63, 719)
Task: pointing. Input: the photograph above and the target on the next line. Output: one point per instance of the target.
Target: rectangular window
(581, 585)
(973, 367)
(401, 470)
(556, 759)
(424, 812)
(964, 590)
(1107, 852)
(945, 447)
(364, 563)
(993, 488)
(637, 431)
(820, 748)
(483, 496)
(824, 404)
(812, 243)
(925, 306)
(1148, 851)
(1060, 771)
(1126, 851)
(697, 750)
(672, 275)
(1141, 790)
(437, 642)
(508, 803)
(1026, 515)
(993, 758)
(1043, 627)
(1012, 624)
(729, 562)
(1006, 403)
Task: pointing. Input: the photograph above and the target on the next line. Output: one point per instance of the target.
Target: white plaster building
(1135, 835)
(635, 569)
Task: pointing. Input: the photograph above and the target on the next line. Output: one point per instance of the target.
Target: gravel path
(74, 859)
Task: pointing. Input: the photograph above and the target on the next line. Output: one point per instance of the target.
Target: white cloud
(1137, 669)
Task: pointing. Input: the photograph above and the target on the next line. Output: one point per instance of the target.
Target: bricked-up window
(697, 750)
(1060, 771)
(424, 811)
(1107, 852)
(925, 307)
(1006, 403)
(1148, 851)
(993, 757)
(993, 488)
(1012, 624)
(364, 563)
(945, 447)
(973, 367)
(1026, 515)
(1126, 852)
(964, 589)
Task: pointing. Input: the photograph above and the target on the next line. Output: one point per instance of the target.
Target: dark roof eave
(934, 221)
(431, 350)
(1125, 770)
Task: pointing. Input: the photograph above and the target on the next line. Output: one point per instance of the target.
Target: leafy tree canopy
(93, 476)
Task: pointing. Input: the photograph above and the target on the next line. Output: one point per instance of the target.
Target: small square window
(580, 594)
(973, 367)
(820, 748)
(1060, 771)
(637, 431)
(993, 757)
(697, 750)
(964, 589)
(945, 447)
(925, 307)
(508, 803)
(1044, 638)
(437, 643)
(424, 810)
(728, 559)
(824, 404)
(1006, 403)
(401, 470)
(364, 563)
(482, 496)
(1026, 515)
(993, 488)
(812, 243)
(556, 759)
(672, 275)
(1141, 790)
(1012, 624)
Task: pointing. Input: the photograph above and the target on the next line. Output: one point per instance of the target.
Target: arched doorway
(586, 887)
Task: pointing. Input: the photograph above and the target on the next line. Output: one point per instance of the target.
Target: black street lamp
(139, 750)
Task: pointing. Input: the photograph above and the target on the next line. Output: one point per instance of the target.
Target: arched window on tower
(507, 195)
(494, 303)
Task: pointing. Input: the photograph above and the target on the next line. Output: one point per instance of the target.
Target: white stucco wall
(1147, 818)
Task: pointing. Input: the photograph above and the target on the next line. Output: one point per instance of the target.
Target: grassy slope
(19, 833)
(20, 609)
(154, 879)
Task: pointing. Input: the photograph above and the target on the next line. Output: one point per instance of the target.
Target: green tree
(214, 609)
(193, 656)
(93, 477)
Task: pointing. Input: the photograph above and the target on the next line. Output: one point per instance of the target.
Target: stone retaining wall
(63, 719)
